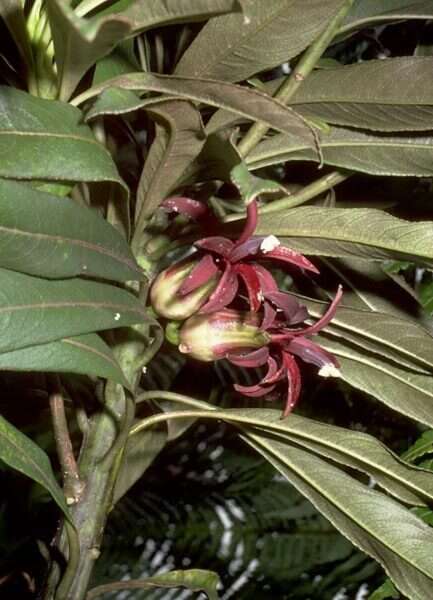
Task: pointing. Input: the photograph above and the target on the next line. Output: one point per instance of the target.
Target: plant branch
(298, 75)
(72, 484)
(307, 193)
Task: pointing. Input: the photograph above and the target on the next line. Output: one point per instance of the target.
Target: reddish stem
(250, 223)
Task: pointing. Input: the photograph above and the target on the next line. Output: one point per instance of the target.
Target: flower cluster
(202, 289)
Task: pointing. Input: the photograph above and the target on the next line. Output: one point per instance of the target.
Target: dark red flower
(232, 262)
(242, 339)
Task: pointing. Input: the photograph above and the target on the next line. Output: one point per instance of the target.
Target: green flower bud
(213, 336)
(166, 299)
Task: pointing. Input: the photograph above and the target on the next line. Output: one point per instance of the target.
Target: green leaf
(405, 391)
(368, 95)
(234, 47)
(79, 43)
(401, 339)
(367, 13)
(341, 232)
(357, 450)
(23, 455)
(47, 140)
(48, 237)
(246, 102)
(368, 520)
(422, 446)
(13, 14)
(147, 14)
(120, 61)
(373, 153)
(35, 311)
(250, 186)
(195, 580)
(85, 354)
(139, 454)
(386, 591)
(179, 139)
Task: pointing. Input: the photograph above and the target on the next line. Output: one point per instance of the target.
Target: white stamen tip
(269, 243)
(117, 316)
(144, 370)
(329, 370)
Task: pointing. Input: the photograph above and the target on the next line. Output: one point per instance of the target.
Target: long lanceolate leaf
(362, 233)
(241, 100)
(34, 311)
(43, 236)
(372, 153)
(234, 47)
(369, 95)
(21, 454)
(368, 520)
(47, 140)
(84, 354)
(367, 13)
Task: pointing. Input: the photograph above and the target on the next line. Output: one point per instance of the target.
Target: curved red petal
(224, 293)
(217, 244)
(293, 381)
(267, 282)
(252, 284)
(326, 318)
(256, 358)
(290, 256)
(185, 206)
(269, 315)
(253, 391)
(204, 270)
(249, 247)
(311, 352)
(288, 304)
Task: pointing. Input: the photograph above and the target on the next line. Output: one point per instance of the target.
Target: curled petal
(203, 271)
(253, 391)
(289, 305)
(247, 248)
(256, 358)
(185, 206)
(267, 282)
(269, 315)
(290, 256)
(217, 244)
(250, 223)
(327, 317)
(293, 381)
(252, 284)
(224, 293)
(274, 373)
(311, 352)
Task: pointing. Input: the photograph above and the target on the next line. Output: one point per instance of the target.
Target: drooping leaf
(405, 391)
(373, 153)
(369, 95)
(422, 446)
(41, 235)
(250, 186)
(357, 450)
(47, 140)
(246, 102)
(79, 42)
(13, 14)
(147, 14)
(34, 311)
(367, 13)
(195, 580)
(120, 61)
(368, 520)
(23, 455)
(400, 337)
(340, 232)
(234, 47)
(179, 138)
(140, 452)
(85, 354)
